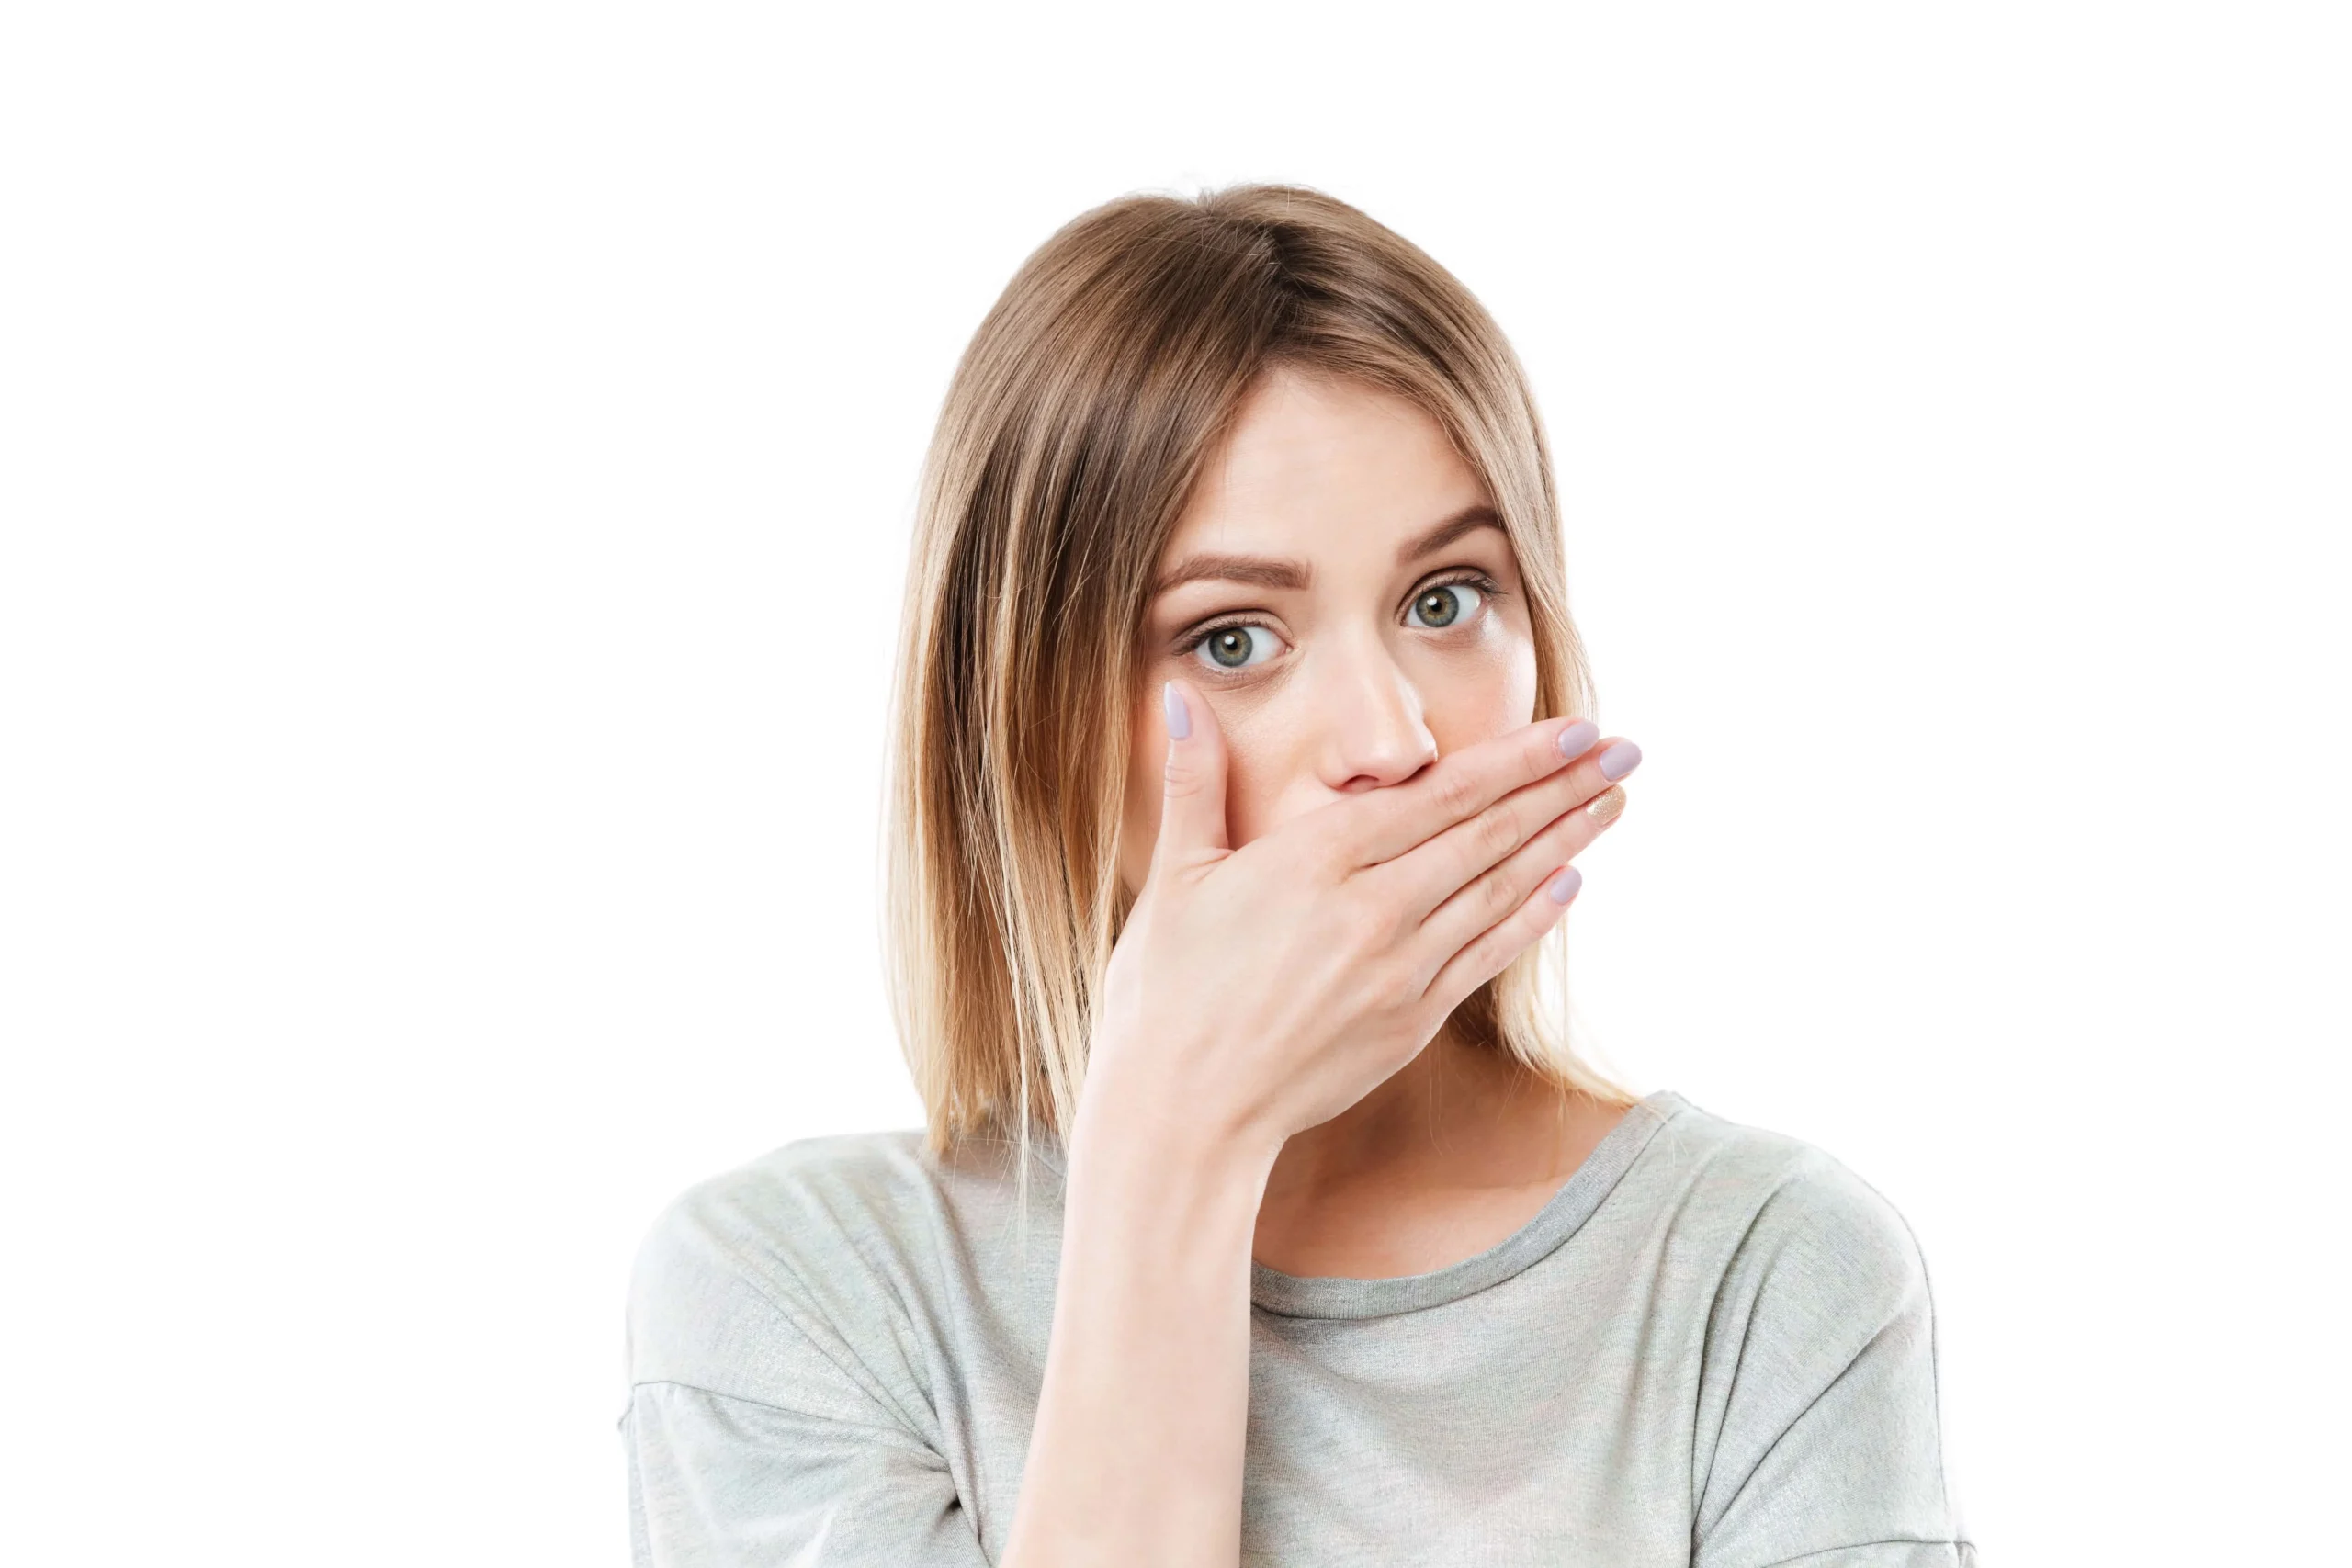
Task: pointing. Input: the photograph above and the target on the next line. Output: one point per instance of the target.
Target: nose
(1375, 735)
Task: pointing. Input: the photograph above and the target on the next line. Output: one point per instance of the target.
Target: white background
(455, 463)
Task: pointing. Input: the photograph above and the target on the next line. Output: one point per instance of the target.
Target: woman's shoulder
(1756, 1200)
(1811, 1380)
(794, 1251)
(799, 1189)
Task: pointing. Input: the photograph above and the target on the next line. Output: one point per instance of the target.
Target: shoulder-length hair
(1079, 414)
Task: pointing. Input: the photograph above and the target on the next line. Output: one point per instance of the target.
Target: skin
(1331, 847)
(1347, 686)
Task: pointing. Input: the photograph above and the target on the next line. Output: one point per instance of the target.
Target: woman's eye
(1447, 604)
(1237, 647)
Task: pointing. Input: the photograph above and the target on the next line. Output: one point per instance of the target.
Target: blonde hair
(1079, 414)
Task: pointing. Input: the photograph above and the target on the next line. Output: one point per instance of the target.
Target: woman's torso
(1673, 1359)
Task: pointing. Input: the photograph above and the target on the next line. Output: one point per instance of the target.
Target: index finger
(1387, 822)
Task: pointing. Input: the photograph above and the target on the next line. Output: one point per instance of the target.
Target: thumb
(1192, 805)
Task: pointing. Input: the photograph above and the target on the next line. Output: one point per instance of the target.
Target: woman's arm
(1136, 1457)
(1254, 993)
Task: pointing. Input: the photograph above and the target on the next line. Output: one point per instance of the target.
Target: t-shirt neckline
(1333, 1295)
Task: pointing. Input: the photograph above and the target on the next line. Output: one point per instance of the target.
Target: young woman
(1264, 1215)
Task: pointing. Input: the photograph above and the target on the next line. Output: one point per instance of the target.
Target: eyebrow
(1275, 571)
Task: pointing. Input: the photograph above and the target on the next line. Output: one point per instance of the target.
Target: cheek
(1267, 772)
(1469, 700)
(1259, 740)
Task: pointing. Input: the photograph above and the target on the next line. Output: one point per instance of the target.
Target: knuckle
(1496, 834)
(1457, 793)
(1391, 987)
(1470, 967)
(1365, 922)
(1483, 902)
(1315, 858)
(1541, 754)
(1499, 897)
(1568, 831)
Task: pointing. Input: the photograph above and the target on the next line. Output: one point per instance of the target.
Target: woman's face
(1339, 592)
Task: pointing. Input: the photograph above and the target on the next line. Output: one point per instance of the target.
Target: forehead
(1313, 464)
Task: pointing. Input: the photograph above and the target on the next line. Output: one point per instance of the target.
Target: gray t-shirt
(1713, 1347)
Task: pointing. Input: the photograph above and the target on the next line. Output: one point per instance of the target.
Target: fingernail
(1180, 723)
(1577, 736)
(1619, 760)
(1607, 806)
(1564, 885)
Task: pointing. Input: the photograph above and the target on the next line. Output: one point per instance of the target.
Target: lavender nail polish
(1619, 760)
(1564, 885)
(1577, 736)
(1179, 722)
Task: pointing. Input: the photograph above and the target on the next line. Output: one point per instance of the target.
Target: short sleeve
(1819, 1388)
(762, 1429)
(716, 1482)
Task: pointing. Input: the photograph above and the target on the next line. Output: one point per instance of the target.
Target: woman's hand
(1257, 992)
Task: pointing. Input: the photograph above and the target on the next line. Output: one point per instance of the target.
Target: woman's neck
(1449, 1158)
(1456, 1116)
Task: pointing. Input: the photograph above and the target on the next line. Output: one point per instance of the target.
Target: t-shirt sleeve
(1819, 1392)
(715, 1480)
(761, 1430)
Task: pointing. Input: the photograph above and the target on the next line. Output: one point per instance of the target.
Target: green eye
(1446, 604)
(1237, 647)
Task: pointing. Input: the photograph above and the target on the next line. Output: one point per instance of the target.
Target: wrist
(1159, 1133)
